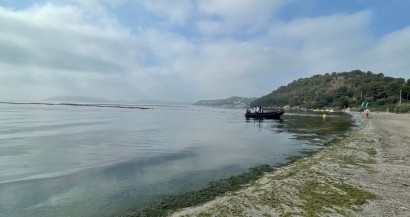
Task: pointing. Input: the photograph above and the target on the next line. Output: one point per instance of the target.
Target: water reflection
(313, 127)
(270, 124)
(308, 127)
(98, 191)
(69, 161)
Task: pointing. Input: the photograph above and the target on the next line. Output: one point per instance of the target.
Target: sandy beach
(364, 174)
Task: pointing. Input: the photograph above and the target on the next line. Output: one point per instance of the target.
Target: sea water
(94, 161)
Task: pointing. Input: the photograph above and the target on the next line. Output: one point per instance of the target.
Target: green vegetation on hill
(234, 101)
(339, 90)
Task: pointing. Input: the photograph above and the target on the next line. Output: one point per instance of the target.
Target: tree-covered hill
(338, 90)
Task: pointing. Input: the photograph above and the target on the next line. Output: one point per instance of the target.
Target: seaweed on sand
(191, 198)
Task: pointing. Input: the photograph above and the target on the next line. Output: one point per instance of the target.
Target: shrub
(405, 108)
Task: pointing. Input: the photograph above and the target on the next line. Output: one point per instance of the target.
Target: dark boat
(270, 115)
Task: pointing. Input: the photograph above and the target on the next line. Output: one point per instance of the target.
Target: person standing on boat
(254, 109)
(261, 110)
(257, 109)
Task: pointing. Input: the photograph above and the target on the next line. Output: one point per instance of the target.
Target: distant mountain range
(163, 102)
(83, 99)
(235, 101)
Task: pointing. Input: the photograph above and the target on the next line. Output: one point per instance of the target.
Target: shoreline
(103, 105)
(365, 174)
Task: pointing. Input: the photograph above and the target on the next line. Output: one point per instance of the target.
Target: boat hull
(268, 115)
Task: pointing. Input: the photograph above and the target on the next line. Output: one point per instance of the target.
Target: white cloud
(236, 16)
(327, 43)
(226, 64)
(324, 28)
(60, 37)
(92, 3)
(391, 54)
(60, 41)
(343, 42)
(299, 48)
(56, 49)
(175, 11)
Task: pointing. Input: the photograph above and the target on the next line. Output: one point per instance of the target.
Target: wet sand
(365, 174)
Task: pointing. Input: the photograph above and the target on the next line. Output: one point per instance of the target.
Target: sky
(190, 50)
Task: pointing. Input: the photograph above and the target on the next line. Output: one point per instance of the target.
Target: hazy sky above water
(187, 50)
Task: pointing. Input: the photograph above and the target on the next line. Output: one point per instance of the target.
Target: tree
(393, 88)
(406, 92)
(338, 89)
(392, 99)
(374, 90)
(343, 102)
(408, 82)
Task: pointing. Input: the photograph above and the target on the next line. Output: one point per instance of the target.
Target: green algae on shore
(307, 187)
(170, 203)
(191, 198)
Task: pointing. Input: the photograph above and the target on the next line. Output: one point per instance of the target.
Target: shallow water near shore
(88, 161)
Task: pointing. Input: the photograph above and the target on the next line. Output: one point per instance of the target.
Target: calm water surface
(89, 161)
